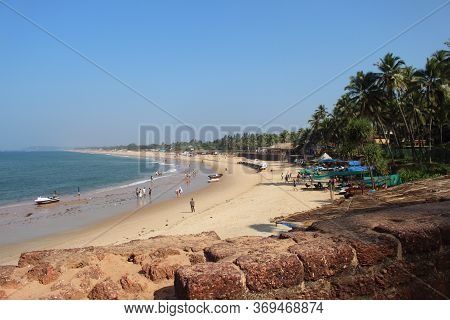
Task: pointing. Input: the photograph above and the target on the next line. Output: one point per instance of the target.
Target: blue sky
(207, 62)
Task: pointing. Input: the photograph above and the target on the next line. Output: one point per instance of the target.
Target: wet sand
(26, 221)
(242, 203)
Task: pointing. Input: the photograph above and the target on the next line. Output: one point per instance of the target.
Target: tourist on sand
(295, 186)
(177, 192)
(192, 202)
(143, 192)
(149, 192)
(180, 191)
(137, 192)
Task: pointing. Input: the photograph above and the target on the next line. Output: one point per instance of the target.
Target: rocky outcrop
(395, 253)
(388, 253)
(271, 270)
(130, 285)
(210, 281)
(44, 273)
(105, 290)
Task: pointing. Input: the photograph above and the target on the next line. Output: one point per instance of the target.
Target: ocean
(107, 186)
(26, 175)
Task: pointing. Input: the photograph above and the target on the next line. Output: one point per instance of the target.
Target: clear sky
(206, 62)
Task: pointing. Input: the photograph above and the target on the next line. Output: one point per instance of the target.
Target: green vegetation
(412, 173)
(408, 107)
(389, 114)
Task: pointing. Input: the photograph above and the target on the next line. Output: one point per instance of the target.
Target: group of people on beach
(179, 192)
(142, 192)
(188, 176)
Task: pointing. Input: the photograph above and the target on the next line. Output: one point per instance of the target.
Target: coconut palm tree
(433, 92)
(365, 92)
(391, 79)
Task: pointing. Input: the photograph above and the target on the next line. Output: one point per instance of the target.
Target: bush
(413, 173)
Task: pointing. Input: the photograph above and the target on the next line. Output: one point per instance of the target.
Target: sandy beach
(242, 203)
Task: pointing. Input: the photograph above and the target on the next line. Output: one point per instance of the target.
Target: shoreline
(25, 221)
(237, 205)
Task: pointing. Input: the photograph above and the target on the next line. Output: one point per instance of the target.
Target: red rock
(207, 281)
(33, 258)
(45, 273)
(220, 251)
(164, 253)
(2, 295)
(414, 236)
(196, 258)
(160, 269)
(105, 290)
(300, 236)
(323, 257)
(372, 249)
(91, 272)
(271, 271)
(129, 285)
(6, 278)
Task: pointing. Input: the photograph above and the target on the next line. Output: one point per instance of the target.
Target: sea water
(107, 185)
(26, 175)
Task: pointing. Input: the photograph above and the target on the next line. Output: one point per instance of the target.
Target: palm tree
(364, 91)
(432, 92)
(284, 136)
(316, 123)
(391, 80)
(442, 58)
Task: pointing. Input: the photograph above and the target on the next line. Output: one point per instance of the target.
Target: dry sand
(242, 203)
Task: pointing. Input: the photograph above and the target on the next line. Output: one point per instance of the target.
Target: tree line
(402, 106)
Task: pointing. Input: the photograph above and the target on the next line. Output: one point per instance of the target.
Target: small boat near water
(45, 200)
(215, 176)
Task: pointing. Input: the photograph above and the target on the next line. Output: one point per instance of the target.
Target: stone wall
(400, 253)
(396, 253)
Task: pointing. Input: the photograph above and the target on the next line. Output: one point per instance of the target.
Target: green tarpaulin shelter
(391, 180)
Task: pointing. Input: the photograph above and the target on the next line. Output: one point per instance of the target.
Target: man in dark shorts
(192, 202)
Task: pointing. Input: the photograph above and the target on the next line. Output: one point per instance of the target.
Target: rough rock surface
(210, 281)
(323, 257)
(105, 290)
(271, 271)
(44, 273)
(130, 285)
(7, 280)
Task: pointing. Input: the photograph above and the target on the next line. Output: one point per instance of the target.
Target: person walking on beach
(149, 192)
(137, 192)
(295, 186)
(192, 203)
